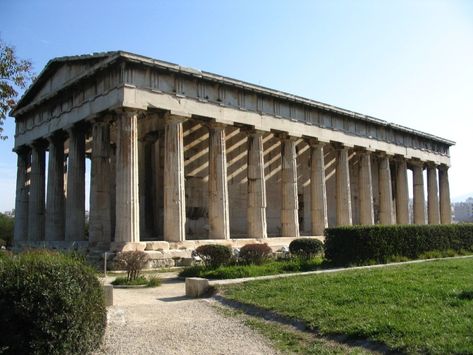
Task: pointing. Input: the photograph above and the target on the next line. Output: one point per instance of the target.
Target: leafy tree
(15, 74)
(6, 229)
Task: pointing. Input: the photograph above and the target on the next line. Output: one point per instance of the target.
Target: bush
(6, 229)
(133, 262)
(358, 244)
(214, 255)
(255, 253)
(306, 248)
(50, 303)
(152, 281)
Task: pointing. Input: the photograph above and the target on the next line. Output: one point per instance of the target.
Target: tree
(6, 229)
(15, 74)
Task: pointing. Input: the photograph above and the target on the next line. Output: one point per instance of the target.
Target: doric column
(174, 186)
(366, 189)
(100, 224)
(318, 192)
(257, 226)
(290, 201)
(75, 201)
(385, 191)
(432, 195)
(37, 191)
(419, 198)
(55, 212)
(219, 221)
(127, 196)
(444, 191)
(21, 201)
(402, 192)
(344, 214)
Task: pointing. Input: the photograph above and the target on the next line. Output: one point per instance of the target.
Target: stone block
(108, 295)
(196, 287)
(119, 246)
(160, 245)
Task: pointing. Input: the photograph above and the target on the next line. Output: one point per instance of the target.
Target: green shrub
(306, 247)
(358, 244)
(214, 255)
(50, 303)
(152, 281)
(255, 253)
(133, 262)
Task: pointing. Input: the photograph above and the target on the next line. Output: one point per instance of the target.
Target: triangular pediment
(58, 73)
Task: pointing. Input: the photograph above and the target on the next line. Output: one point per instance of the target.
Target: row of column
(114, 183)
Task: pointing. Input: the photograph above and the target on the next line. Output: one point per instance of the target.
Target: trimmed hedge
(50, 303)
(306, 248)
(214, 255)
(255, 253)
(366, 244)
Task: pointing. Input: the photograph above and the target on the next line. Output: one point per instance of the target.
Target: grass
(139, 281)
(287, 339)
(416, 308)
(238, 271)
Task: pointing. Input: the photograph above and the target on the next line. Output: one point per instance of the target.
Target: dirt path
(163, 321)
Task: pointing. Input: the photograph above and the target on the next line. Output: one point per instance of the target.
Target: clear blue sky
(409, 62)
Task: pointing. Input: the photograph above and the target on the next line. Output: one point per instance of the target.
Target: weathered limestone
(290, 201)
(219, 221)
(55, 200)
(419, 197)
(127, 196)
(242, 177)
(366, 189)
(100, 205)
(36, 206)
(402, 192)
(174, 188)
(318, 192)
(385, 191)
(75, 201)
(344, 213)
(256, 214)
(432, 195)
(444, 192)
(21, 202)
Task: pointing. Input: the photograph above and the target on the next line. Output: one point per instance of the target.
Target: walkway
(163, 321)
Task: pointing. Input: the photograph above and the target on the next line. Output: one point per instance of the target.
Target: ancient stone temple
(180, 156)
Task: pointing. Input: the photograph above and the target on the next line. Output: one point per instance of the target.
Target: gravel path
(163, 321)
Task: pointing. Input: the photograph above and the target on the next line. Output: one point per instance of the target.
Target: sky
(408, 62)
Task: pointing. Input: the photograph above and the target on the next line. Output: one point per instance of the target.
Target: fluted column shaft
(385, 192)
(256, 215)
(344, 213)
(444, 192)
(402, 192)
(419, 197)
(290, 201)
(55, 212)
(432, 195)
(36, 206)
(219, 221)
(100, 225)
(318, 192)
(174, 185)
(21, 201)
(75, 202)
(366, 189)
(127, 196)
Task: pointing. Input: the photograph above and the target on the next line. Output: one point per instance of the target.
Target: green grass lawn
(417, 308)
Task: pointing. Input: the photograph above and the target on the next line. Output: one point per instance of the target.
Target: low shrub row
(379, 244)
(215, 255)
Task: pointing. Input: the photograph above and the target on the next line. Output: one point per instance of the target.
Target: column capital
(443, 167)
(315, 142)
(286, 136)
(56, 136)
(431, 164)
(216, 125)
(39, 144)
(176, 117)
(22, 149)
(417, 163)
